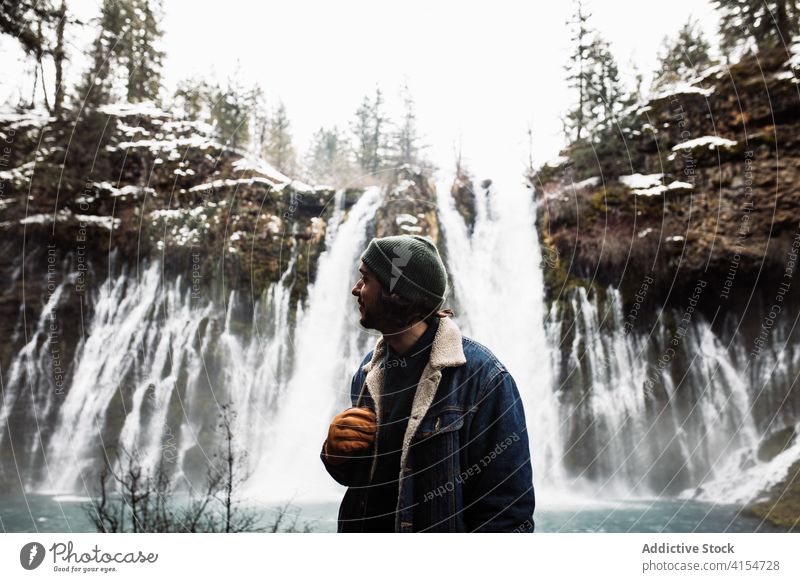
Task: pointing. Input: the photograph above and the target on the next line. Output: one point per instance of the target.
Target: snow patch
(711, 141)
(405, 219)
(587, 183)
(145, 108)
(683, 89)
(641, 181)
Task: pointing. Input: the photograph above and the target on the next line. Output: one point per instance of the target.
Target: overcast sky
(479, 72)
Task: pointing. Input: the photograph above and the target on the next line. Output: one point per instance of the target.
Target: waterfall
(499, 290)
(33, 368)
(328, 343)
(696, 437)
(140, 344)
(255, 370)
(606, 419)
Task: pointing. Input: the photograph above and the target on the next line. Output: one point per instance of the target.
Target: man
(436, 439)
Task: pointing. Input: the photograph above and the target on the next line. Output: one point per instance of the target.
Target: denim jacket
(465, 463)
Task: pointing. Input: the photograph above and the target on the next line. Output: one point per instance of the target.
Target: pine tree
(405, 141)
(194, 98)
(230, 109)
(362, 132)
(605, 94)
(125, 61)
(759, 24)
(379, 143)
(20, 20)
(279, 150)
(38, 27)
(327, 160)
(370, 132)
(144, 60)
(683, 57)
(577, 71)
(606, 115)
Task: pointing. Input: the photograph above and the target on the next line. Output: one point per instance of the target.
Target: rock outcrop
(713, 191)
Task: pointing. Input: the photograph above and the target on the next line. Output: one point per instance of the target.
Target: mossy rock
(782, 508)
(775, 444)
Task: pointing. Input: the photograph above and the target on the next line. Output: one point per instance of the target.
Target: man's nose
(356, 290)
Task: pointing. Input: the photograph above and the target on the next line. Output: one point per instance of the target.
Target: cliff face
(705, 222)
(713, 192)
(152, 190)
(162, 189)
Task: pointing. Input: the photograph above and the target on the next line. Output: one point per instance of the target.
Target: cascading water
(605, 419)
(499, 288)
(34, 367)
(327, 341)
(255, 371)
(141, 340)
(696, 434)
(597, 428)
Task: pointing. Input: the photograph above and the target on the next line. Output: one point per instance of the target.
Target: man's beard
(380, 319)
(369, 319)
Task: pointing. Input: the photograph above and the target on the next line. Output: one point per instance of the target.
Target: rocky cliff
(705, 223)
(712, 191)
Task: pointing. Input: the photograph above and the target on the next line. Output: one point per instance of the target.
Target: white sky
(484, 73)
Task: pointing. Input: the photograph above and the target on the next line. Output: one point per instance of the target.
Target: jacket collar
(446, 351)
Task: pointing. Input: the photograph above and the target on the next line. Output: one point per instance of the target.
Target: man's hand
(351, 432)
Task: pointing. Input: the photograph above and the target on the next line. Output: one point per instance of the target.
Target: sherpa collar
(446, 351)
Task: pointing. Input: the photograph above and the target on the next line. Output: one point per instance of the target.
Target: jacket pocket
(442, 422)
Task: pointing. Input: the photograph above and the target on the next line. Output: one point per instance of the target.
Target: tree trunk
(58, 59)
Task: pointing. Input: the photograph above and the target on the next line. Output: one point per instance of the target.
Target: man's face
(368, 291)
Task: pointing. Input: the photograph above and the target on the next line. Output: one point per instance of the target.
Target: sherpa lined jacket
(465, 463)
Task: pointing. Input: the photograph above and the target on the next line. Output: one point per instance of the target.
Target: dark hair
(398, 311)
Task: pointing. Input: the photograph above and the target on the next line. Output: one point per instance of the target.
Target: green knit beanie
(410, 266)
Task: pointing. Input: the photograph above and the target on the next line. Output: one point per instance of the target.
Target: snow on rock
(641, 181)
(156, 145)
(683, 89)
(32, 118)
(650, 184)
(661, 189)
(261, 167)
(403, 186)
(719, 70)
(66, 214)
(126, 109)
(216, 184)
(131, 130)
(277, 180)
(587, 183)
(712, 141)
(128, 190)
(557, 161)
(405, 219)
(20, 173)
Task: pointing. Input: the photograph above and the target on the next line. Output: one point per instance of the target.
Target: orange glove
(351, 432)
